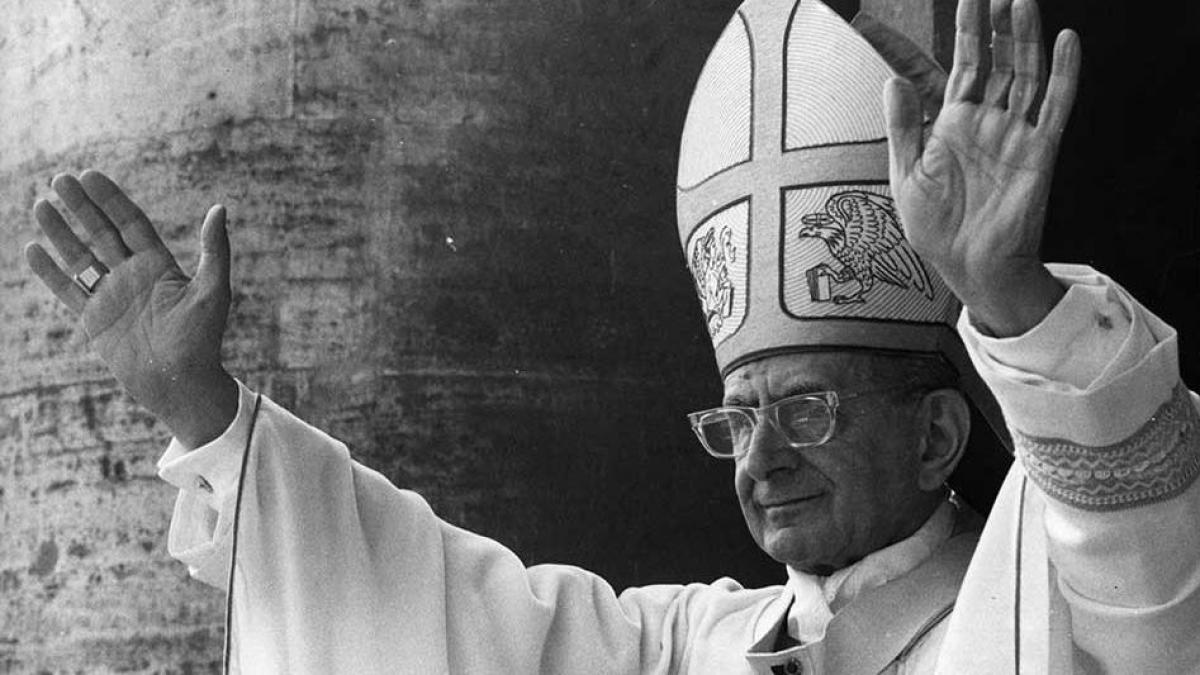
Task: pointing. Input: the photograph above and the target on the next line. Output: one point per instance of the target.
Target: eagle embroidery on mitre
(863, 234)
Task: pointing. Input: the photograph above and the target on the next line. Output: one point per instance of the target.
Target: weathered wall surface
(454, 250)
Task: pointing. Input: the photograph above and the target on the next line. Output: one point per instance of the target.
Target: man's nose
(769, 452)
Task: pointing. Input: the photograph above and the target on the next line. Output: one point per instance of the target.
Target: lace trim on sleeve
(1159, 461)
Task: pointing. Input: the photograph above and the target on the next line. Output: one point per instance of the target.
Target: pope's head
(815, 290)
(899, 428)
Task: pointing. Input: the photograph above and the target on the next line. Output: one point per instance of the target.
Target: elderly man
(844, 410)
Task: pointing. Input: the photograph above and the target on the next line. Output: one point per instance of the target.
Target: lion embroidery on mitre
(863, 233)
(709, 260)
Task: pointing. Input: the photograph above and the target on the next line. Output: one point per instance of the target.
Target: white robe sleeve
(207, 478)
(1110, 439)
(338, 571)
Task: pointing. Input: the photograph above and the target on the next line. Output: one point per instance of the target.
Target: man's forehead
(797, 372)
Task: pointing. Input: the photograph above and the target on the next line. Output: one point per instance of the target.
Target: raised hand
(973, 196)
(157, 330)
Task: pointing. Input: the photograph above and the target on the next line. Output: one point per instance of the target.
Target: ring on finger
(91, 275)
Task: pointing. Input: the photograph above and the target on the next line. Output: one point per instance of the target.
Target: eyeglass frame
(829, 397)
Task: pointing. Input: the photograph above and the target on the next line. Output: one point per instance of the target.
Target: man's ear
(945, 420)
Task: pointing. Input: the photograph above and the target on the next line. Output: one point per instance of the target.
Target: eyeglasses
(804, 420)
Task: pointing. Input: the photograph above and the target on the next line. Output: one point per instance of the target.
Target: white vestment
(1090, 559)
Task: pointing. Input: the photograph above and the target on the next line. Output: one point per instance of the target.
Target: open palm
(149, 314)
(973, 196)
(157, 330)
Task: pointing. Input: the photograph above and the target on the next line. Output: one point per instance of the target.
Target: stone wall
(454, 249)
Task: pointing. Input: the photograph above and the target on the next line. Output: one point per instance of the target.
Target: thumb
(902, 107)
(213, 270)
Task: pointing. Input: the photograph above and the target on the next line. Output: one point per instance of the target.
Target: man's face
(821, 508)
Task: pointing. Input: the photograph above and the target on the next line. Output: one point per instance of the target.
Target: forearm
(1107, 436)
(1105, 429)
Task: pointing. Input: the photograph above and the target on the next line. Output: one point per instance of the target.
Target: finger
(1064, 82)
(73, 252)
(55, 279)
(106, 240)
(1027, 56)
(136, 229)
(902, 108)
(969, 58)
(213, 269)
(996, 91)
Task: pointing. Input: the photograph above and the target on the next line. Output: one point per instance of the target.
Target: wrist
(1013, 303)
(201, 407)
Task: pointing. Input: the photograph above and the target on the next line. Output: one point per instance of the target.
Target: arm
(1118, 460)
(332, 568)
(339, 571)
(1088, 379)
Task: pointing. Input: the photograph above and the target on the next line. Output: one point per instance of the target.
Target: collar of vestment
(882, 620)
(817, 598)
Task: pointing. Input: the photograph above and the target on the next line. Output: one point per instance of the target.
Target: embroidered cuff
(1157, 462)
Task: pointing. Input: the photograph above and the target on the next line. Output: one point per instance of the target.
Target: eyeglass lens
(802, 421)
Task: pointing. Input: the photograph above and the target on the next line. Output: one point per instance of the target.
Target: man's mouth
(790, 501)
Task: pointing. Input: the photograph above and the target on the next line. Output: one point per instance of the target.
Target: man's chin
(794, 549)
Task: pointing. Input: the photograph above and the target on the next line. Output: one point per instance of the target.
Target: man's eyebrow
(803, 387)
(750, 399)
